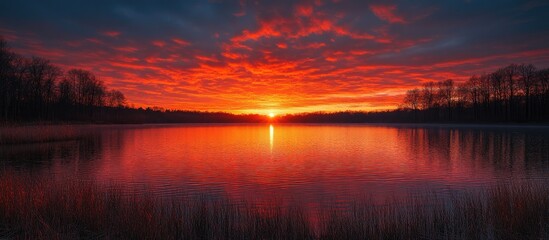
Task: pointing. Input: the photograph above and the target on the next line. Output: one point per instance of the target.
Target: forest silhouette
(515, 93)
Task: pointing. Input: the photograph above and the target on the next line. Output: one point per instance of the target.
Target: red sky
(283, 56)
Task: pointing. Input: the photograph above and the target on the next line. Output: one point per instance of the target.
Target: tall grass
(43, 208)
(516, 211)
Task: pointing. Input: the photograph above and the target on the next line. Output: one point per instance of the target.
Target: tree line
(515, 93)
(34, 89)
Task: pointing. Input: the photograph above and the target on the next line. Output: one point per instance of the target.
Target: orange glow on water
(271, 137)
(306, 162)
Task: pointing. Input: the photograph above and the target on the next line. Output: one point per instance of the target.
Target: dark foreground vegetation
(43, 208)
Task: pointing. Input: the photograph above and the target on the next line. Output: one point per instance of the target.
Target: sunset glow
(302, 56)
(294, 119)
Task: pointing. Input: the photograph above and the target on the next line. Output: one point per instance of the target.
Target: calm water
(316, 165)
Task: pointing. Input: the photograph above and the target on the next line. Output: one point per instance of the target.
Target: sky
(277, 56)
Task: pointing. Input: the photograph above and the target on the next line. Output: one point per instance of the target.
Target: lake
(315, 165)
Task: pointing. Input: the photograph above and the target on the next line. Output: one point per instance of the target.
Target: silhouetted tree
(428, 96)
(509, 74)
(527, 84)
(412, 99)
(474, 86)
(40, 85)
(115, 98)
(446, 95)
(542, 77)
(67, 97)
(6, 58)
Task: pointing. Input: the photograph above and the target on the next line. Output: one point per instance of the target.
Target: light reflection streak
(271, 137)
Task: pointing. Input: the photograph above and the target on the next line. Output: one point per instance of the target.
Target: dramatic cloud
(283, 56)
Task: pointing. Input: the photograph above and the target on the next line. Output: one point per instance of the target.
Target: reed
(43, 208)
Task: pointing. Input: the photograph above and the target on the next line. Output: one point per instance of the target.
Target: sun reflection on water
(271, 137)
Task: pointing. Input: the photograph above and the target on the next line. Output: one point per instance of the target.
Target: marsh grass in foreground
(43, 208)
